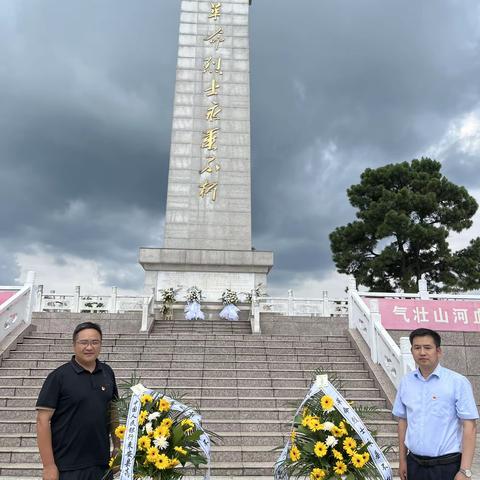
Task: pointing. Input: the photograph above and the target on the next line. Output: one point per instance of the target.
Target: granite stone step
(246, 387)
(36, 376)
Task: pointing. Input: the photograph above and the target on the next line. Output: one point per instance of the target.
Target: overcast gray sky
(86, 94)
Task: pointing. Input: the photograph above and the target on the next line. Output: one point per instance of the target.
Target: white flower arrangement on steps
(230, 309)
(193, 310)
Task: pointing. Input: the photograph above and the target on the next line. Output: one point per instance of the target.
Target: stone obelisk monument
(208, 217)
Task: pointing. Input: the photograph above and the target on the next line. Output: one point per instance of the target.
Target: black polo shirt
(81, 421)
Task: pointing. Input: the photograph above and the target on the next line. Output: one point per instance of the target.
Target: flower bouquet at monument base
(193, 310)
(323, 444)
(230, 309)
(160, 437)
(168, 298)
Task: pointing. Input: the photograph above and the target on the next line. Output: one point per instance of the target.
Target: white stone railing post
(39, 299)
(352, 287)
(113, 301)
(422, 288)
(325, 304)
(30, 283)
(290, 303)
(255, 313)
(375, 320)
(148, 308)
(76, 300)
(407, 362)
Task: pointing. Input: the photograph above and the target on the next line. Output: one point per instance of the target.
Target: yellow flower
(306, 419)
(327, 403)
(167, 422)
(314, 424)
(145, 398)
(295, 454)
(163, 462)
(161, 431)
(340, 468)
(142, 418)
(366, 456)
(337, 454)
(110, 462)
(164, 405)
(337, 432)
(186, 422)
(357, 460)
(174, 462)
(317, 474)
(293, 435)
(180, 450)
(120, 431)
(343, 426)
(350, 451)
(152, 454)
(320, 449)
(349, 443)
(144, 443)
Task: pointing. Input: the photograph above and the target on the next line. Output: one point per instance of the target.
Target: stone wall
(275, 324)
(66, 322)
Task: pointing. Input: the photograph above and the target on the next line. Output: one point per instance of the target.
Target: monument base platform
(210, 270)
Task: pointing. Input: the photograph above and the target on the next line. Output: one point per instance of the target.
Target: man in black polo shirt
(75, 414)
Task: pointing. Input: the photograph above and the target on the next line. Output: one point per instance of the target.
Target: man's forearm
(402, 430)
(44, 441)
(468, 443)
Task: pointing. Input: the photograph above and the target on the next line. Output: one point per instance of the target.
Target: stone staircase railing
(16, 311)
(396, 361)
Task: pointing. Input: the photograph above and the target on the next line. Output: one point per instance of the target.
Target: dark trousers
(91, 473)
(437, 472)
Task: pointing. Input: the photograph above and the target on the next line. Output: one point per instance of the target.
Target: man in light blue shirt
(436, 416)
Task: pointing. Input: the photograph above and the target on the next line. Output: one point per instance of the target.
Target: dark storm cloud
(87, 87)
(87, 93)
(379, 81)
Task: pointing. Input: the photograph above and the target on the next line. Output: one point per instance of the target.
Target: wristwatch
(466, 472)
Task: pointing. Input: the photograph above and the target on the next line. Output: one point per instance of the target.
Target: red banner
(446, 315)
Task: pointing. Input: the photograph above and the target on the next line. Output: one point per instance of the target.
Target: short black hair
(84, 326)
(423, 332)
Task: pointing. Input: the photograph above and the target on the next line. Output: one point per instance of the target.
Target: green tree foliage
(405, 214)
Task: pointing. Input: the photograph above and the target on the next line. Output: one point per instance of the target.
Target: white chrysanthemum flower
(153, 416)
(331, 441)
(148, 428)
(328, 426)
(161, 442)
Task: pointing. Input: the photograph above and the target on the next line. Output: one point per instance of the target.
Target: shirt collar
(79, 369)
(437, 373)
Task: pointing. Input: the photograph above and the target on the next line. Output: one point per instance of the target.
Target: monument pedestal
(210, 270)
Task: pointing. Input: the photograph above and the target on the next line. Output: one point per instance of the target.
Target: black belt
(432, 461)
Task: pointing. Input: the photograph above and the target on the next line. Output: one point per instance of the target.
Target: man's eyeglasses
(86, 343)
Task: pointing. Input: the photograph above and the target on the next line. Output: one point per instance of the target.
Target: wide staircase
(246, 386)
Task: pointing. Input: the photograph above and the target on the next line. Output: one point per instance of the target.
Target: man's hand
(50, 473)
(402, 469)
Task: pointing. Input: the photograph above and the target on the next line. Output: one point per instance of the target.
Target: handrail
(396, 361)
(17, 308)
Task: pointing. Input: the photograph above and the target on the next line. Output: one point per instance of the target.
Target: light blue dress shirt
(434, 409)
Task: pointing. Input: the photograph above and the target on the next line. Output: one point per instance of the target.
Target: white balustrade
(383, 349)
(293, 306)
(17, 308)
